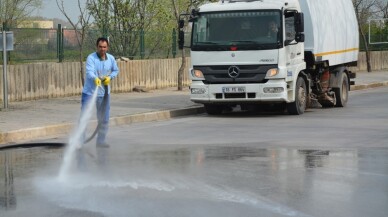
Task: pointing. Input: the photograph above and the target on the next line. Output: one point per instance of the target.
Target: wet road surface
(327, 162)
(196, 181)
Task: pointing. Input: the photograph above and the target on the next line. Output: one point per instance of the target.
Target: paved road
(30, 120)
(327, 162)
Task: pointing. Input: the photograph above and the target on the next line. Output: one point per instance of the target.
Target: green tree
(382, 5)
(124, 21)
(364, 10)
(184, 7)
(13, 12)
(161, 26)
(81, 27)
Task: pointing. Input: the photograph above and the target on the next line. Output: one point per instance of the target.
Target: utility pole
(5, 80)
(6, 45)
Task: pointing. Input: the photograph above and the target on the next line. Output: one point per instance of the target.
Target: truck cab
(250, 53)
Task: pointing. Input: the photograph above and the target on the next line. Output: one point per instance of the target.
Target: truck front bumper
(272, 91)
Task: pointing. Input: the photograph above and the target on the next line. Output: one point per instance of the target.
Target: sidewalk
(45, 118)
(30, 120)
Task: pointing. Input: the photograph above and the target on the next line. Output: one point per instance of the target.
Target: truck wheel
(213, 109)
(299, 106)
(342, 93)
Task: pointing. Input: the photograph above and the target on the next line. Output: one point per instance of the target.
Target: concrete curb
(155, 116)
(60, 129)
(367, 86)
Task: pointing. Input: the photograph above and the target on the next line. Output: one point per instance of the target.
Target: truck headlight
(272, 72)
(197, 73)
(273, 89)
(198, 90)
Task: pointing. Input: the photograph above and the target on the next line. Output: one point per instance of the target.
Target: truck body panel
(331, 30)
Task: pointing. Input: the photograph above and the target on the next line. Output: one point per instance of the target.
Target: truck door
(294, 50)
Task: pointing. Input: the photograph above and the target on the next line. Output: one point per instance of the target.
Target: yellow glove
(97, 81)
(106, 81)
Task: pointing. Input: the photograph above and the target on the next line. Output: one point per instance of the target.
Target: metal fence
(376, 42)
(61, 44)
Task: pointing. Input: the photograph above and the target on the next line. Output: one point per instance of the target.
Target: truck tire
(299, 105)
(213, 109)
(342, 93)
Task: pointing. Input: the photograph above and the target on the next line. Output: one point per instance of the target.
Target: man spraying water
(101, 68)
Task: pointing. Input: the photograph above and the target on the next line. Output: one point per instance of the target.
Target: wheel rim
(344, 94)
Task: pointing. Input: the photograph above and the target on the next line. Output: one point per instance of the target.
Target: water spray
(76, 139)
(103, 108)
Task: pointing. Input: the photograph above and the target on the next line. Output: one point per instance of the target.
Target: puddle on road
(195, 181)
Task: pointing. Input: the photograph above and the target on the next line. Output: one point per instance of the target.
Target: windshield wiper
(205, 42)
(256, 43)
(246, 41)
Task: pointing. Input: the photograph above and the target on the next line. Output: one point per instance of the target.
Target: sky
(50, 9)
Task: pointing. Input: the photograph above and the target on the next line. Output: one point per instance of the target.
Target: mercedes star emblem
(233, 71)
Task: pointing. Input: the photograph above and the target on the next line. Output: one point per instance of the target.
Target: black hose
(32, 145)
(103, 108)
(93, 135)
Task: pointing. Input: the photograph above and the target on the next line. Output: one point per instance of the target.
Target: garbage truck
(294, 54)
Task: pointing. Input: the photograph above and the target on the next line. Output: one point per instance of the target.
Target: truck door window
(289, 26)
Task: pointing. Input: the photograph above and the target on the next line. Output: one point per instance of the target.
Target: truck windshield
(244, 30)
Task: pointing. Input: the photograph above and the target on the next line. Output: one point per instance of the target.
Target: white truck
(293, 53)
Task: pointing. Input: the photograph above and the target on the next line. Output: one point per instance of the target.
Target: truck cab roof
(236, 5)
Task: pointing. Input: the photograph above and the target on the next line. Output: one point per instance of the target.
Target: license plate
(233, 89)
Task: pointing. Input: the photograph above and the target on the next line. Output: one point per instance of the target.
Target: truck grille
(246, 74)
(235, 95)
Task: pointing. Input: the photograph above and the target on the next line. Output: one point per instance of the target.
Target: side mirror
(181, 24)
(299, 22)
(194, 12)
(181, 39)
(299, 37)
